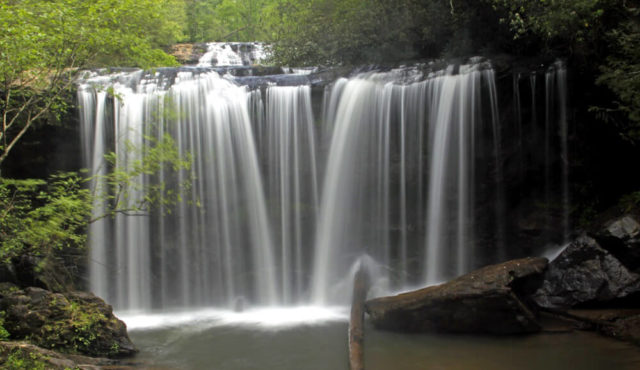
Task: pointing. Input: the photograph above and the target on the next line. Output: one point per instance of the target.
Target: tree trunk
(356, 324)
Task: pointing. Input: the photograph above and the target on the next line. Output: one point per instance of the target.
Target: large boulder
(74, 322)
(621, 237)
(585, 273)
(483, 301)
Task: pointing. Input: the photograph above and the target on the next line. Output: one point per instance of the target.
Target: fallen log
(487, 300)
(356, 322)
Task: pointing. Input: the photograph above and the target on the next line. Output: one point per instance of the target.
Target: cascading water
(284, 203)
(205, 255)
(550, 172)
(232, 54)
(292, 184)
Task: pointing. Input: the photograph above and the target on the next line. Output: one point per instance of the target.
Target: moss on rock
(75, 322)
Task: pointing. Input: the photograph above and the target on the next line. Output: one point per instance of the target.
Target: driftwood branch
(356, 323)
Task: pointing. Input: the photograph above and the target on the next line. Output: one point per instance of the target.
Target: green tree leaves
(39, 218)
(44, 43)
(227, 20)
(621, 74)
(48, 219)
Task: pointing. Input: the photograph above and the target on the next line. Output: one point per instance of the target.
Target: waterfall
(292, 184)
(556, 118)
(354, 211)
(383, 131)
(391, 169)
(232, 54)
(454, 119)
(211, 254)
(543, 151)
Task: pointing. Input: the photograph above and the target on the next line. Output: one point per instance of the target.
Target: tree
(46, 220)
(602, 35)
(44, 43)
(621, 74)
(227, 20)
(333, 32)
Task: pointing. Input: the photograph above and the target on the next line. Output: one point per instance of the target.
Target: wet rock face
(188, 53)
(75, 322)
(585, 272)
(484, 301)
(621, 237)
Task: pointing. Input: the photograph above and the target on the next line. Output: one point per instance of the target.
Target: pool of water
(310, 339)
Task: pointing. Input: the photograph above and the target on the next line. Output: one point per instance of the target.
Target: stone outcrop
(621, 237)
(75, 322)
(585, 272)
(188, 53)
(484, 301)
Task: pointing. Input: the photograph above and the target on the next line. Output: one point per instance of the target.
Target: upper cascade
(233, 54)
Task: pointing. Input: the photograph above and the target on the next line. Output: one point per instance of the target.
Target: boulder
(585, 273)
(621, 237)
(484, 301)
(74, 322)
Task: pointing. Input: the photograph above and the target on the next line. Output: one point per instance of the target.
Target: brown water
(324, 347)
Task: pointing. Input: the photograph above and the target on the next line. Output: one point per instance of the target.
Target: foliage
(621, 74)
(572, 22)
(40, 218)
(77, 330)
(4, 334)
(44, 43)
(123, 187)
(47, 220)
(343, 32)
(226, 20)
(630, 202)
(18, 359)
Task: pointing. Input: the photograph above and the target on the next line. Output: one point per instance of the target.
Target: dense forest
(46, 44)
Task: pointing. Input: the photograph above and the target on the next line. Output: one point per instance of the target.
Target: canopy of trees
(44, 43)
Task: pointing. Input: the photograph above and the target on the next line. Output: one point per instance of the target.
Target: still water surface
(316, 339)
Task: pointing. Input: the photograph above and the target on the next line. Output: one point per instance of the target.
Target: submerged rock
(484, 301)
(75, 322)
(585, 273)
(625, 328)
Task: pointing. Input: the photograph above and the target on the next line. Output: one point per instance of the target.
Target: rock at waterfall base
(74, 322)
(484, 301)
(585, 272)
(621, 238)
